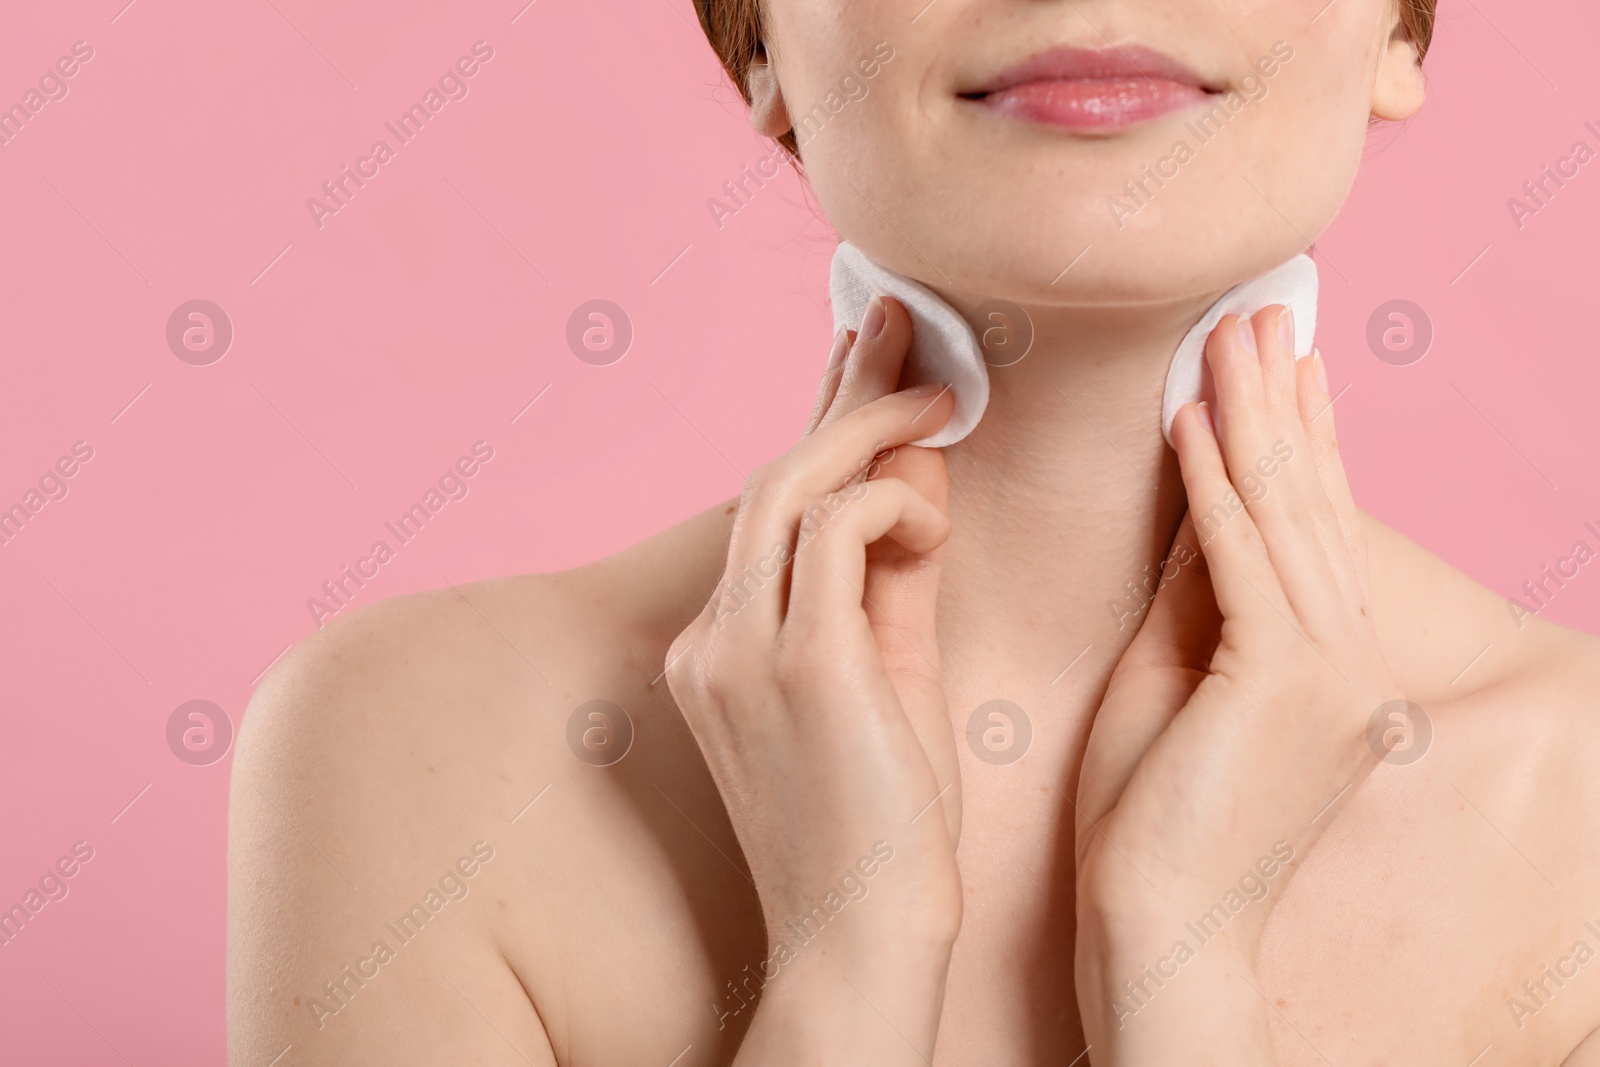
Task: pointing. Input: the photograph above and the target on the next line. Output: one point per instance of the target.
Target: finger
(902, 586)
(1155, 677)
(1241, 427)
(876, 358)
(1241, 573)
(1241, 393)
(770, 513)
(830, 557)
(1296, 513)
(1261, 436)
(1274, 332)
(832, 374)
(1316, 412)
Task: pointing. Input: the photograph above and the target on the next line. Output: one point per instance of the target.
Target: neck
(1064, 494)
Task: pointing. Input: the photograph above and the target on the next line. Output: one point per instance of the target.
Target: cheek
(820, 42)
(1306, 137)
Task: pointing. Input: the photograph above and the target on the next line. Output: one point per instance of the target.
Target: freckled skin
(615, 923)
(551, 957)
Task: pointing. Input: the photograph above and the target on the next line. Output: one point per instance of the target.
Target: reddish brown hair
(1416, 18)
(734, 29)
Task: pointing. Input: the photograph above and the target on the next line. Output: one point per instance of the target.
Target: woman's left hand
(1235, 721)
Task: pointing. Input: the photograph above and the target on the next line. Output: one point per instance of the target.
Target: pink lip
(1095, 90)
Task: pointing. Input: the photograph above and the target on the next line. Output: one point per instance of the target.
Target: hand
(1234, 722)
(811, 682)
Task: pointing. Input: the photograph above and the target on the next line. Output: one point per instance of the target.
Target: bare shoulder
(398, 776)
(1448, 636)
(1495, 813)
(1467, 861)
(1512, 687)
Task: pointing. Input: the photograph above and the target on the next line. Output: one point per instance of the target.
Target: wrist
(880, 959)
(846, 1002)
(1143, 1000)
(909, 926)
(1163, 983)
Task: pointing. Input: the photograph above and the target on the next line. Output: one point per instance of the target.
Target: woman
(865, 769)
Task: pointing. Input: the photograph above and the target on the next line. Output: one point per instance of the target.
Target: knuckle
(705, 685)
(700, 663)
(820, 518)
(685, 669)
(786, 488)
(763, 482)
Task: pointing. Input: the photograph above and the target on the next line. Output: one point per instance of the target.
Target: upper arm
(353, 806)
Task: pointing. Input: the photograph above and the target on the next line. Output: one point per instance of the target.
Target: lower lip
(1093, 105)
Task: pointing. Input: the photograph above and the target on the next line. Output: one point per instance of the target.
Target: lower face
(1082, 152)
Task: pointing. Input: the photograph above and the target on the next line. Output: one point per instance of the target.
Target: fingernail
(1322, 372)
(872, 322)
(1247, 334)
(930, 389)
(1204, 411)
(1286, 329)
(841, 345)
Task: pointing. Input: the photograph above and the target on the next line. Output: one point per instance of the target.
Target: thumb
(902, 587)
(1161, 669)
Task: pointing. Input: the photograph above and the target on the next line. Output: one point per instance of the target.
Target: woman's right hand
(811, 682)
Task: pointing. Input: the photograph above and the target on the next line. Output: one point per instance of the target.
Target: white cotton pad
(1294, 285)
(944, 348)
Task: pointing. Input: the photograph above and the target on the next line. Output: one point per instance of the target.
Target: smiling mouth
(1093, 90)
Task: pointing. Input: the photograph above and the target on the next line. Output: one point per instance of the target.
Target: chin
(1066, 254)
(1042, 228)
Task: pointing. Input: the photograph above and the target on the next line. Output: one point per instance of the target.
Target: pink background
(375, 350)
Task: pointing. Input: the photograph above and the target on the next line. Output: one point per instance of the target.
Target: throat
(1064, 500)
